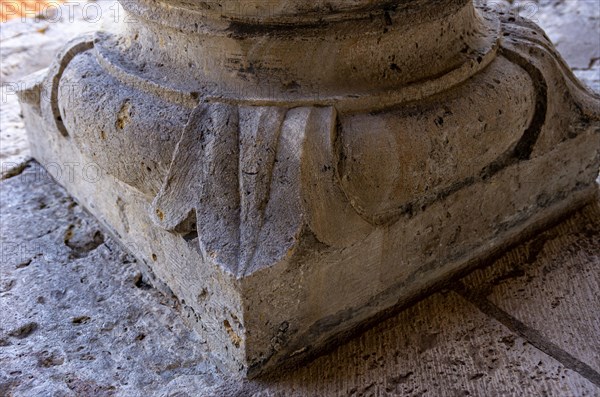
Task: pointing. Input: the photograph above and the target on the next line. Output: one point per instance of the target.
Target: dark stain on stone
(24, 331)
(241, 30)
(556, 302)
(90, 388)
(508, 341)
(81, 320)
(124, 115)
(139, 282)
(235, 339)
(387, 18)
(509, 275)
(427, 342)
(399, 379)
(250, 69)
(7, 285)
(24, 263)
(7, 388)
(80, 248)
(292, 86)
(48, 359)
(18, 170)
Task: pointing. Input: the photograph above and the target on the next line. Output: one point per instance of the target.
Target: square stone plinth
(285, 221)
(291, 310)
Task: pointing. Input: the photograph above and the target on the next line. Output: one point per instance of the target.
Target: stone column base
(284, 220)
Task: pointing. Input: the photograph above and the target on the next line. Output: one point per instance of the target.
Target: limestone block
(296, 172)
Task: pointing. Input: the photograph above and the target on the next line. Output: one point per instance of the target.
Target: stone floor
(77, 318)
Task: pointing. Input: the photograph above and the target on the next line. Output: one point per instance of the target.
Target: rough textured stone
(440, 347)
(27, 46)
(77, 319)
(572, 27)
(76, 316)
(14, 147)
(282, 218)
(30, 46)
(352, 373)
(545, 283)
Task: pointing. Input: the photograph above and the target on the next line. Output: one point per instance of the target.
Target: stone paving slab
(552, 286)
(443, 346)
(77, 319)
(574, 27)
(532, 331)
(28, 45)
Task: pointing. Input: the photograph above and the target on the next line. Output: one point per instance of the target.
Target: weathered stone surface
(63, 289)
(545, 283)
(572, 27)
(29, 45)
(14, 146)
(440, 347)
(356, 379)
(237, 202)
(76, 317)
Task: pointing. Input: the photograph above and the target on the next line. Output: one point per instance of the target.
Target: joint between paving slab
(531, 335)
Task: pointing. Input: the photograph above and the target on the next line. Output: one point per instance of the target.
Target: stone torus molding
(292, 170)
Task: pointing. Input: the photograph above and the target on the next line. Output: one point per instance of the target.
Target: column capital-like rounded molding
(283, 12)
(357, 54)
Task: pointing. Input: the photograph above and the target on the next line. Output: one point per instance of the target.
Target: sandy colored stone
(68, 328)
(549, 283)
(289, 184)
(86, 380)
(28, 47)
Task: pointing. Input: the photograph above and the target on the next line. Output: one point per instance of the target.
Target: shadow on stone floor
(528, 324)
(74, 323)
